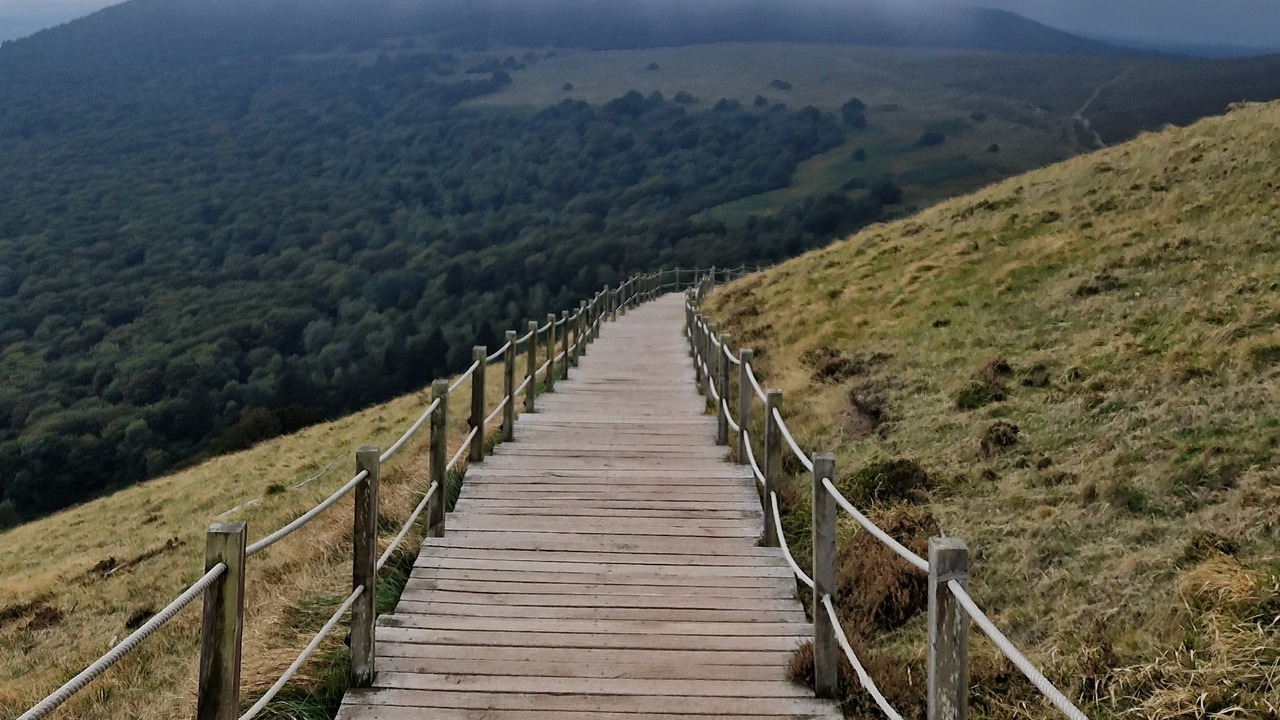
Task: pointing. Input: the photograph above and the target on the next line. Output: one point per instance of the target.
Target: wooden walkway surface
(604, 564)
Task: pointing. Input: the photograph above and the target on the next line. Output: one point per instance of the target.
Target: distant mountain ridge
(142, 33)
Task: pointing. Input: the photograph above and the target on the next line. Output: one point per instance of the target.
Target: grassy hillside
(74, 583)
(1076, 371)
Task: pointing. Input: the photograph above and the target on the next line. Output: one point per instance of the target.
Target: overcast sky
(1219, 22)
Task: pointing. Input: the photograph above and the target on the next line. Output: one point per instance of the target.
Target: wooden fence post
(476, 453)
(579, 322)
(948, 631)
(364, 568)
(745, 393)
(509, 388)
(222, 624)
(625, 297)
(438, 459)
(531, 372)
(550, 342)
(713, 362)
(564, 344)
(722, 412)
(826, 652)
(585, 313)
(697, 352)
(772, 462)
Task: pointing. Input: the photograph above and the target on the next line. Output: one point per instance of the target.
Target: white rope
(755, 384)
(497, 355)
(115, 654)
(385, 456)
(524, 339)
(711, 386)
(795, 447)
(751, 460)
(1055, 697)
(782, 542)
(464, 377)
(306, 517)
(462, 449)
(867, 683)
(302, 658)
(523, 385)
(870, 527)
(542, 330)
(408, 525)
(543, 369)
(729, 416)
(560, 356)
(501, 406)
(730, 357)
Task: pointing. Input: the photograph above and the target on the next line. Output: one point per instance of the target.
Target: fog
(1203, 22)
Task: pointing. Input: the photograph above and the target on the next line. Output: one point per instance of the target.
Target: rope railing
(795, 447)
(501, 352)
(1006, 648)
(465, 376)
(306, 517)
(952, 555)
(408, 525)
(606, 304)
(306, 653)
(782, 543)
(399, 443)
(901, 550)
(60, 696)
(863, 677)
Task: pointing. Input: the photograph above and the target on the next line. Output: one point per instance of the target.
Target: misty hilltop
(141, 33)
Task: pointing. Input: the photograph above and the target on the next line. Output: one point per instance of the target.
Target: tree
(854, 113)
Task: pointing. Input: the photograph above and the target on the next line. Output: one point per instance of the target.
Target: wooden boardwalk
(602, 564)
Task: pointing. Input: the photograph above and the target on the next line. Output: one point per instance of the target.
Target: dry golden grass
(1134, 295)
(57, 613)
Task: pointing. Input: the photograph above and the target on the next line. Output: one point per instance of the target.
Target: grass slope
(72, 584)
(1120, 499)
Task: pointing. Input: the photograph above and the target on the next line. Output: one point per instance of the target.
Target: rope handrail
(867, 683)
(395, 447)
(306, 517)
(542, 369)
(124, 647)
(728, 416)
(782, 542)
(527, 337)
(751, 460)
(543, 330)
(496, 356)
(795, 447)
(1051, 693)
(464, 377)
(408, 525)
(755, 384)
(524, 385)
(303, 656)
(872, 528)
(733, 360)
(462, 449)
(501, 406)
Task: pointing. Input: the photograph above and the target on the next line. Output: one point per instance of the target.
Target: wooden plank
(603, 564)
(664, 705)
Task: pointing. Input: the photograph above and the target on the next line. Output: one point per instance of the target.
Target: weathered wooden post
(826, 651)
(564, 344)
(509, 388)
(722, 412)
(593, 330)
(624, 292)
(772, 462)
(697, 351)
(585, 313)
(222, 624)
(550, 343)
(713, 363)
(745, 393)
(476, 453)
(364, 568)
(531, 371)
(948, 631)
(438, 459)
(579, 322)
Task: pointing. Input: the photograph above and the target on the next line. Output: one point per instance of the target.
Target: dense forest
(217, 255)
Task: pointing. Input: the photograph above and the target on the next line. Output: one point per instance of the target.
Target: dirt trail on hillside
(1079, 115)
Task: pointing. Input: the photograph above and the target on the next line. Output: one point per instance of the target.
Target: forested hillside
(198, 261)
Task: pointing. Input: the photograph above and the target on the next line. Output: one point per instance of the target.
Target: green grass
(1124, 306)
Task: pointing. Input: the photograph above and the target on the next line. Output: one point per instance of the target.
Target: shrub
(860, 155)
(1001, 436)
(876, 589)
(780, 85)
(886, 482)
(1205, 544)
(978, 394)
